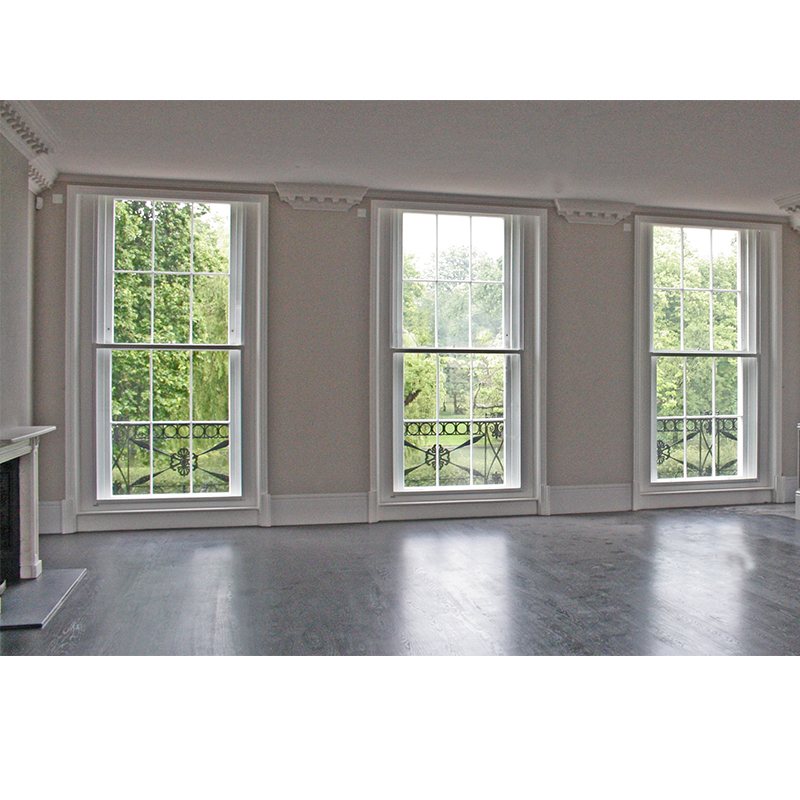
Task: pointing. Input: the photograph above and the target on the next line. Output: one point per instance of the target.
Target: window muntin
(703, 356)
(456, 352)
(168, 360)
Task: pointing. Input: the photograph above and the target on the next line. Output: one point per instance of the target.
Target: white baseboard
(785, 489)
(51, 517)
(588, 499)
(318, 509)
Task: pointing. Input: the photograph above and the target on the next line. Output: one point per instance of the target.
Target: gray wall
(318, 361)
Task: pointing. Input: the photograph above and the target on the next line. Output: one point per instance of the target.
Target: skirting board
(318, 509)
(587, 499)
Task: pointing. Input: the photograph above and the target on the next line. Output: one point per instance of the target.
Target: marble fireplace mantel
(23, 443)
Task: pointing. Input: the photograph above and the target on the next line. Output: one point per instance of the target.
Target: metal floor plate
(31, 603)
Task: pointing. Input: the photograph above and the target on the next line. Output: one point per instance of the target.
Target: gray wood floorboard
(678, 582)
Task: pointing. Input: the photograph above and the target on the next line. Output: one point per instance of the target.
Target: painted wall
(16, 289)
(319, 337)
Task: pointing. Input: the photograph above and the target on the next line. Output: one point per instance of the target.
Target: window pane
(419, 246)
(697, 324)
(698, 448)
(488, 385)
(696, 258)
(130, 385)
(130, 459)
(725, 248)
(453, 314)
(667, 257)
(727, 446)
(212, 234)
(727, 385)
(454, 247)
(726, 321)
(420, 454)
(419, 385)
(173, 237)
(488, 456)
(133, 235)
(666, 320)
(210, 385)
(211, 462)
(210, 309)
(669, 386)
(455, 453)
(172, 459)
(419, 303)
(669, 448)
(171, 308)
(170, 385)
(699, 374)
(488, 248)
(132, 310)
(487, 315)
(455, 389)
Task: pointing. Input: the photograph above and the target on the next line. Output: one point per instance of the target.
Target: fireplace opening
(9, 523)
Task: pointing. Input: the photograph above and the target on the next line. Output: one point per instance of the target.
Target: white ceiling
(719, 155)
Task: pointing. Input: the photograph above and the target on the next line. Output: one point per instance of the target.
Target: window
(170, 375)
(459, 372)
(704, 397)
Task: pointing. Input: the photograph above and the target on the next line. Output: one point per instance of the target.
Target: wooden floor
(681, 582)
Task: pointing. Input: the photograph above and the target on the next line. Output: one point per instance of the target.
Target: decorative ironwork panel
(697, 447)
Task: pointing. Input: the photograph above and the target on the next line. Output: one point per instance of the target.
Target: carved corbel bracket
(18, 127)
(594, 212)
(320, 197)
(791, 205)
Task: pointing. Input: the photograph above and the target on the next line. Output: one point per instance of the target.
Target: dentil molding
(18, 127)
(320, 197)
(595, 212)
(791, 205)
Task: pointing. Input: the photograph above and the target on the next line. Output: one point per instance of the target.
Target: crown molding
(594, 212)
(791, 205)
(320, 197)
(17, 126)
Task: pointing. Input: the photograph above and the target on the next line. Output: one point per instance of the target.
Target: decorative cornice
(18, 129)
(791, 205)
(320, 197)
(595, 212)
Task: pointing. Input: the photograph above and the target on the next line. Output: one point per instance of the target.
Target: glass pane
(130, 385)
(419, 246)
(487, 453)
(173, 459)
(669, 386)
(212, 236)
(419, 302)
(455, 453)
(420, 454)
(698, 448)
(454, 247)
(453, 315)
(130, 459)
(666, 320)
(667, 257)
(132, 297)
(210, 309)
(696, 258)
(488, 248)
(669, 448)
(419, 385)
(697, 323)
(173, 237)
(455, 390)
(210, 385)
(133, 235)
(727, 385)
(727, 446)
(699, 399)
(725, 249)
(487, 315)
(488, 385)
(726, 321)
(170, 385)
(171, 308)
(211, 449)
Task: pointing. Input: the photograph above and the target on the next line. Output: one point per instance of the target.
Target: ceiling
(737, 156)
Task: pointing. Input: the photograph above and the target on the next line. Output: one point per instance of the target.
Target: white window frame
(760, 245)
(90, 261)
(526, 246)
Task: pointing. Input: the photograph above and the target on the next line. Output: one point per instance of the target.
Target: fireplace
(9, 522)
